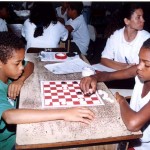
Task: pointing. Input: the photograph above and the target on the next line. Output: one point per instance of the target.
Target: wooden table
(106, 127)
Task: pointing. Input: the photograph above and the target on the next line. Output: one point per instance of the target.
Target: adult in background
(123, 45)
(42, 28)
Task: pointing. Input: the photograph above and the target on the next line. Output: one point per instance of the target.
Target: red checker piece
(60, 56)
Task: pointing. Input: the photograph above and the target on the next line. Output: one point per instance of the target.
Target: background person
(77, 28)
(42, 28)
(61, 12)
(123, 45)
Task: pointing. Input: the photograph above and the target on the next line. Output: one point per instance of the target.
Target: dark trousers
(74, 48)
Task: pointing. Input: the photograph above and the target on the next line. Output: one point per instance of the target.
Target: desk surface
(106, 127)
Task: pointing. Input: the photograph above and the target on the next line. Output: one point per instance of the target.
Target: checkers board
(66, 94)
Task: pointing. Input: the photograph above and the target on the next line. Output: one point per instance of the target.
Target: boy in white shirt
(136, 116)
(78, 28)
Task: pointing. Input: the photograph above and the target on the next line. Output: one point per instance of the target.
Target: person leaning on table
(12, 77)
(136, 116)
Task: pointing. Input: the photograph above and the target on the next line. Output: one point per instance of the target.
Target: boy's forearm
(116, 75)
(28, 70)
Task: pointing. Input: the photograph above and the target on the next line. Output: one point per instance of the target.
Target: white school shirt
(50, 38)
(3, 25)
(136, 104)
(117, 48)
(80, 33)
(59, 14)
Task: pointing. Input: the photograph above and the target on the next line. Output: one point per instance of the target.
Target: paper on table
(50, 56)
(71, 66)
(101, 67)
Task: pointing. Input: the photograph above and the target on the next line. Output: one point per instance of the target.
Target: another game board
(66, 94)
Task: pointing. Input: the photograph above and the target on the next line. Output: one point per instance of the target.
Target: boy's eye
(147, 66)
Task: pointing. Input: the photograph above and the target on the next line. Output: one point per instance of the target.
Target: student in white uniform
(3, 15)
(42, 28)
(122, 47)
(136, 116)
(61, 12)
(78, 28)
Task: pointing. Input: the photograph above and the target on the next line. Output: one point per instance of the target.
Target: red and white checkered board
(66, 94)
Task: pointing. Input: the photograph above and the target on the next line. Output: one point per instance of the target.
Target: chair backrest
(92, 32)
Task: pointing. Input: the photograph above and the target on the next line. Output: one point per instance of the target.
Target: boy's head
(74, 9)
(9, 43)
(143, 69)
(4, 12)
(12, 54)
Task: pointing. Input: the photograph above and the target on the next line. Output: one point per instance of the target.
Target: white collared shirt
(3, 25)
(117, 48)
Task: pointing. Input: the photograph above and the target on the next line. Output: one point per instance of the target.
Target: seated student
(12, 54)
(4, 13)
(42, 28)
(61, 12)
(78, 28)
(137, 117)
(123, 45)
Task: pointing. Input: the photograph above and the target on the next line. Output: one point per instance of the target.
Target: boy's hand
(14, 89)
(81, 114)
(88, 85)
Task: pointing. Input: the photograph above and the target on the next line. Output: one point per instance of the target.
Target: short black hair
(146, 44)
(42, 14)
(9, 42)
(78, 6)
(129, 8)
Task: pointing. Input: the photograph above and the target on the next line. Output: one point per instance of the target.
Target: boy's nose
(21, 67)
(140, 66)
